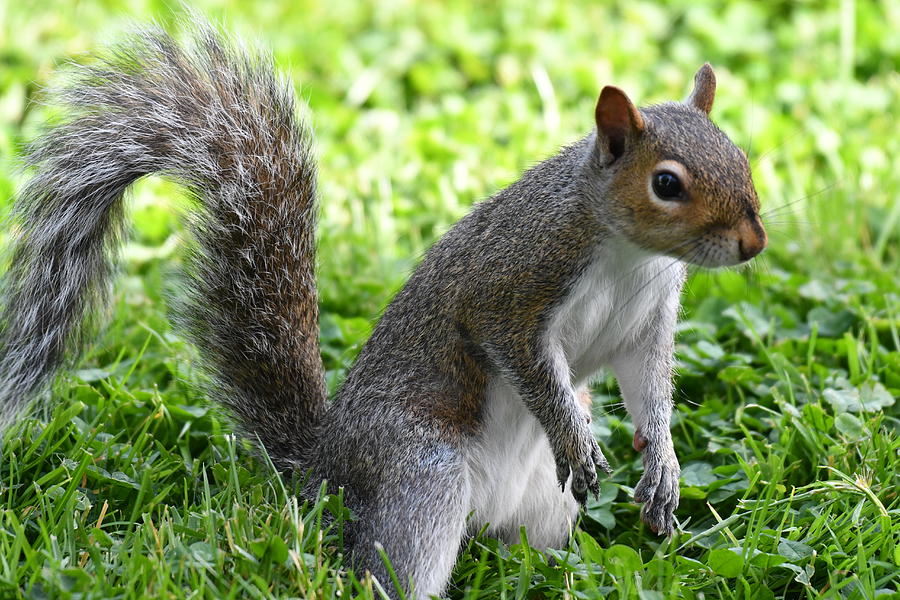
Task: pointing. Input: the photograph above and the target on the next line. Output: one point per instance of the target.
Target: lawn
(787, 426)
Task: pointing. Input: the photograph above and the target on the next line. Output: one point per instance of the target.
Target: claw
(600, 460)
(604, 466)
(658, 490)
(562, 474)
(580, 497)
(583, 466)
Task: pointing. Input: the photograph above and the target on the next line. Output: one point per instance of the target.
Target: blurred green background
(422, 108)
(788, 371)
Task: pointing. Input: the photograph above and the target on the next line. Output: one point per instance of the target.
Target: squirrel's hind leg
(420, 525)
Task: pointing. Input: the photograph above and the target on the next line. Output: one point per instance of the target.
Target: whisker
(777, 224)
(613, 407)
(675, 261)
(790, 203)
(691, 402)
(789, 219)
(755, 161)
(654, 278)
(749, 148)
(646, 262)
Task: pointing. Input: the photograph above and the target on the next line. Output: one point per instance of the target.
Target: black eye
(667, 186)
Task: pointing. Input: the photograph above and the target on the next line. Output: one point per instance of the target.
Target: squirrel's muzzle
(752, 238)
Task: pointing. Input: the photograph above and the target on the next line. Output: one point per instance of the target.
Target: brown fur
(704, 89)
(709, 207)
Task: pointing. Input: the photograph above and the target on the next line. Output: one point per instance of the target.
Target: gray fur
(217, 120)
(485, 309)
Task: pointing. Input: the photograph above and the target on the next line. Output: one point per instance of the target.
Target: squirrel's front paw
(658, 489)
(581, 458)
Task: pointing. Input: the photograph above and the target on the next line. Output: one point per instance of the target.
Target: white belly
(512, 476)
(510, 466)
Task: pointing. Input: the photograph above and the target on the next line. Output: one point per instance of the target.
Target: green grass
(788, 373)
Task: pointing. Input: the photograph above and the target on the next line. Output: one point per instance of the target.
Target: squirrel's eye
(667, 186)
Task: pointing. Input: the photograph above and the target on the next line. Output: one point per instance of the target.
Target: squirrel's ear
(617, 118)
(704, 89)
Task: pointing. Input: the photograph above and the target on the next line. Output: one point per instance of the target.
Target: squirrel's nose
(753, 238)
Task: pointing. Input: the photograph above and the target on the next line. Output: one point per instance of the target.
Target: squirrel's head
(676, 184)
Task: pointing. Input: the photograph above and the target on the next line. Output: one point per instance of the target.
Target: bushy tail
(215, 118)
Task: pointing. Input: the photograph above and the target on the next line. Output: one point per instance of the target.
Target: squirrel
(462, 410)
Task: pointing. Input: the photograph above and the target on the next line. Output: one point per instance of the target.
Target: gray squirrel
(462, 409)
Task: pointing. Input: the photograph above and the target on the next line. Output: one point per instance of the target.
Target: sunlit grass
(786, 421)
